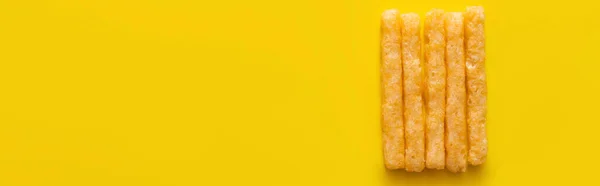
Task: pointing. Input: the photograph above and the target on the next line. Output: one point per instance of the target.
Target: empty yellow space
(265, 92)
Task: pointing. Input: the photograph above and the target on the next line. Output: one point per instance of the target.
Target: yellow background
(271, 92)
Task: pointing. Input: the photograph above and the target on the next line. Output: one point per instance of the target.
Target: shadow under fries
(474, 174)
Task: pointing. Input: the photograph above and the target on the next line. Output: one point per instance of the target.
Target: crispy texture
(391, 81)
(413, 92)
(435, 91)
(476, 84)
(456, 126)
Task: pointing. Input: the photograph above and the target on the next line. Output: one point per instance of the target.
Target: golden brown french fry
(476, 84)
(456, 126)
(391, 81)
(435, 91)
(413, 92)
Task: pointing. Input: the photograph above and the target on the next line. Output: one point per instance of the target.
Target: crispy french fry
(476, 84)
(435, 91)
(391, 80)
(413, 92)
(456, 126)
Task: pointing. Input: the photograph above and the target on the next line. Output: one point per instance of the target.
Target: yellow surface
(183, 92)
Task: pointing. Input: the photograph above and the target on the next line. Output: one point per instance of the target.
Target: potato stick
(456, 126)
(413, 92)
(391, 80)
(476, 84)
(435, 91)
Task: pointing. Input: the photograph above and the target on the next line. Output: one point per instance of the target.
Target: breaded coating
(435, 89)
(413, 93)
(391, 82)
(476, 84)
(456, 126)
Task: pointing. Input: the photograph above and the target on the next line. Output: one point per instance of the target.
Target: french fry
(391, 80)
(435, 91)
(413, 92)
(456, 126)
(476, 84)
